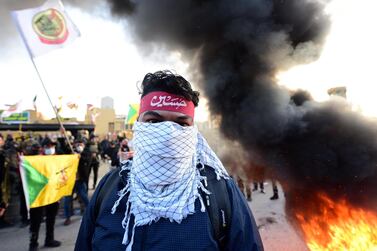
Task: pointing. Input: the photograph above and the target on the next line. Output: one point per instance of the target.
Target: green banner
(21, 117)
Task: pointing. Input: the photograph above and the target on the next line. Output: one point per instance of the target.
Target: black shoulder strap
(105, 191)
(217, 204)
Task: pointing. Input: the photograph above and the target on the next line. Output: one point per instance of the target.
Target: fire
(338, 226)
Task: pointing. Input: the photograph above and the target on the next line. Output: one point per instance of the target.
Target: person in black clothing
(275, 195)
(8, 175)
(112, 154)
(62, 146)
(3, 205)
(261, 186)
(31, 147)
(94, 160)
(103, 146)
(124, 151)
(242, 185)
(36, 214)
(80, 184)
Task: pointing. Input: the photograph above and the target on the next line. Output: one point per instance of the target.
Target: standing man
(8, 175)
(94, 164)
(112, 154)
(36, 214)
(80, 187)
(124, 151)
(275, 190)
(103, 146)
(3, 205)
(159, 200)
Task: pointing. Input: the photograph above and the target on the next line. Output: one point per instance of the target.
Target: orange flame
(339, 226)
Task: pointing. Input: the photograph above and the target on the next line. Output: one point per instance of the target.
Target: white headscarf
(164, 178)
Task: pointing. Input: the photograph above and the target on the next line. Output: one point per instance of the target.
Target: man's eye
(152, 121)
(183, 124)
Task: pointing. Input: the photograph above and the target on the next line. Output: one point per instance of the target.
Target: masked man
(51, 210)
(160, 198)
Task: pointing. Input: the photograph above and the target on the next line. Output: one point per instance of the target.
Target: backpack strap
(105, 191)
(217, 204)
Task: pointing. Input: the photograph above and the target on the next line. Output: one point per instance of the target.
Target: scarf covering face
(164, 179)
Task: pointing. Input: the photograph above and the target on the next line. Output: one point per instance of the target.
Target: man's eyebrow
(183, 117)
(153, 114)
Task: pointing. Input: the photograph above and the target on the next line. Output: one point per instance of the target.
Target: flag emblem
(62, 178)
(45, 28)
(50, 26)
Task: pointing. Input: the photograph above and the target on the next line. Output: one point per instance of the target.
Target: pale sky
(102, 62)
(105, 62)
(348, 59)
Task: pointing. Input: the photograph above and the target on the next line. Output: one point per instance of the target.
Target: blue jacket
(195, 233)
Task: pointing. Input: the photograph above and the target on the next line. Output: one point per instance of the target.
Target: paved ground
(277, 234)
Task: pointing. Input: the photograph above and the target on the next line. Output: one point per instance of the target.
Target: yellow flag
(48, 178)
(133, 113)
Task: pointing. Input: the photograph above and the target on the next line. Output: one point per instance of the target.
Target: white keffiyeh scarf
(164, 178)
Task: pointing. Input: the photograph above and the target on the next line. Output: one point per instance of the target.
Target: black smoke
(237, 48)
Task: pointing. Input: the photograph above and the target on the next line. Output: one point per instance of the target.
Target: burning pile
(338, 226)
(236, 48)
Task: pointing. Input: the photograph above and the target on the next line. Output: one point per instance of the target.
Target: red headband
(164, 101)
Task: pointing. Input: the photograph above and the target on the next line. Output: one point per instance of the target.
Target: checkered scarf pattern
(163, 177)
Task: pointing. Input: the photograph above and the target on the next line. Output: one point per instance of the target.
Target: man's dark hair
(9, 138)
(79, 141)
(33, 148)
(47, 142)
(169, 82)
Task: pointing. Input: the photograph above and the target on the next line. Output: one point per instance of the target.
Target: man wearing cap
(157, 202)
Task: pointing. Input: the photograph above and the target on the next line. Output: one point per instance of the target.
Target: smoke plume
(237, 48)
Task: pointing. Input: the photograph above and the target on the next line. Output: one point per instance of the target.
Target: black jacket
(83, 169)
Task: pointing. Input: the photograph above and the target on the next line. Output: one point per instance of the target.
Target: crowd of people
(246, 189)
(111, 150)
(91, 151)
(174, 185)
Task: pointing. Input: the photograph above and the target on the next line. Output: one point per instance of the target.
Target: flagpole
(52, 105)
(23, 36)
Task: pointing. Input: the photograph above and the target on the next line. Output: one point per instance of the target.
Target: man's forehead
(164, 114)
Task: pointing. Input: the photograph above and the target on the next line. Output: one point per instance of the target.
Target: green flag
(133, 112)
(36, 181)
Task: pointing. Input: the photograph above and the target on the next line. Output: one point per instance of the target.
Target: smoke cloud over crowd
(236, 48)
